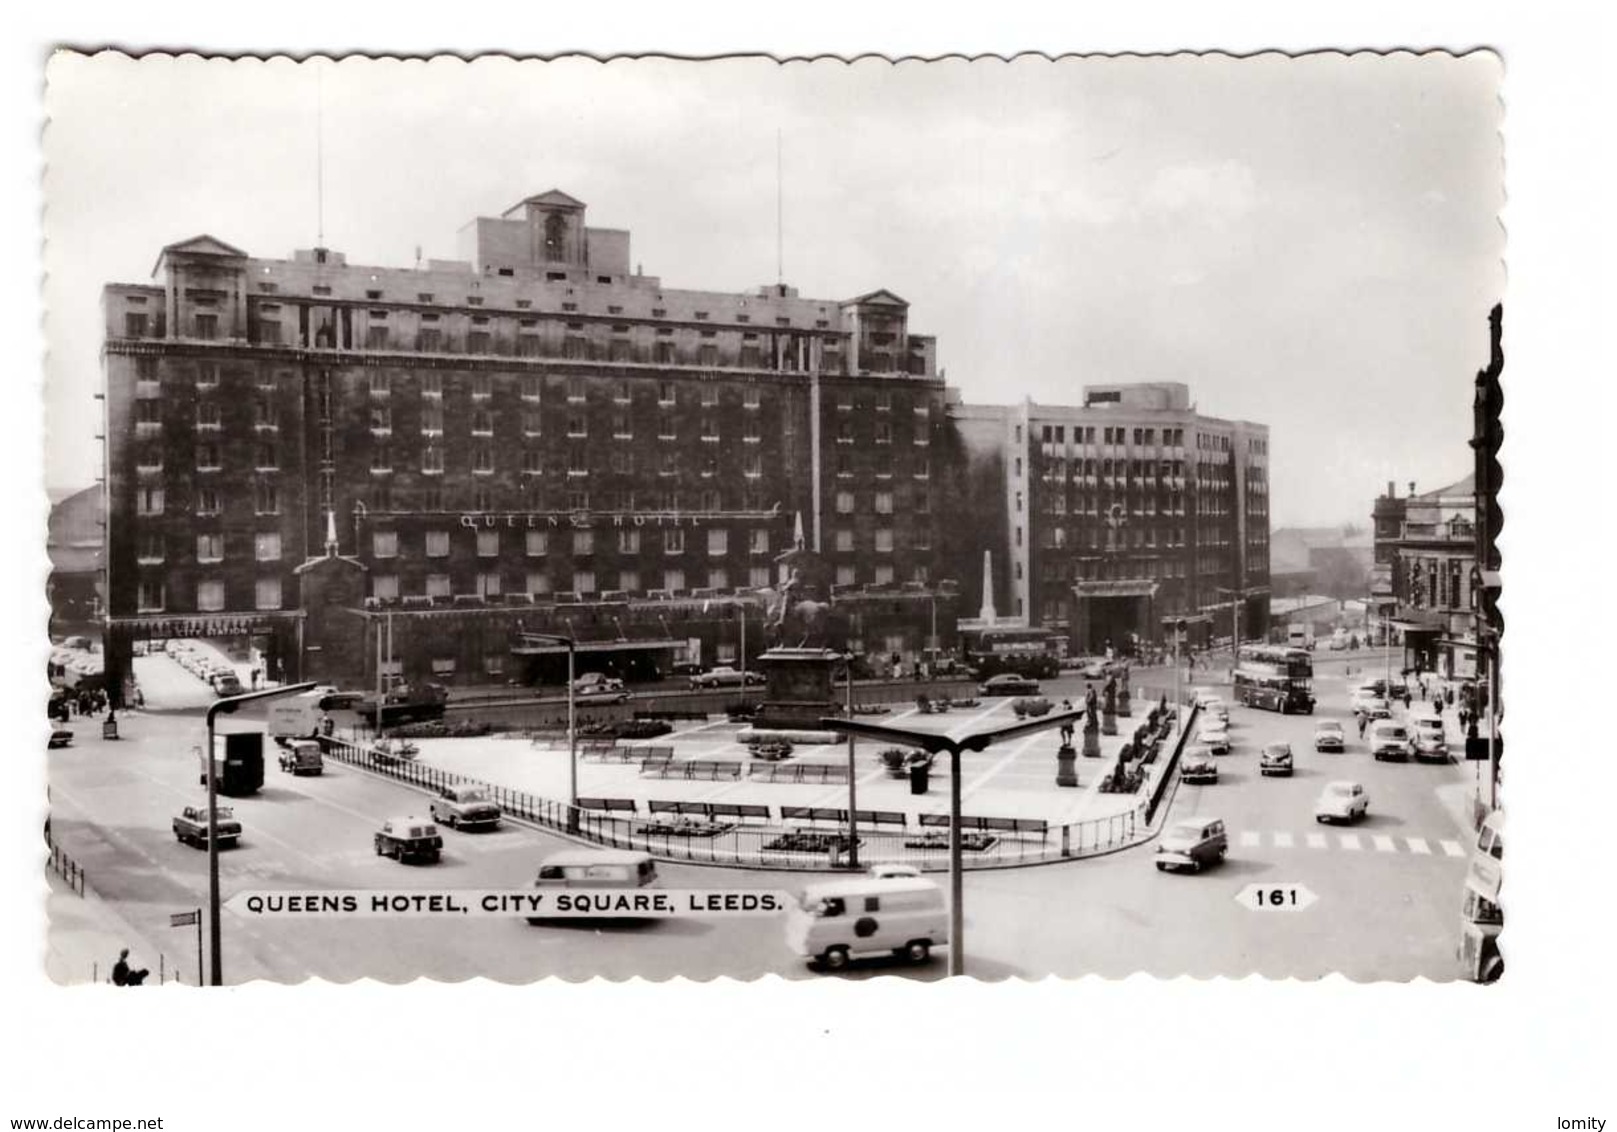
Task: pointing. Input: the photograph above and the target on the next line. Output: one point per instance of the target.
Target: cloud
(1220, 190)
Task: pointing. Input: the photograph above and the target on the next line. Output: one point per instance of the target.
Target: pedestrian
(140, 698)
(1448, 695)
(255, 675)
(1362, 718)
(123, 976)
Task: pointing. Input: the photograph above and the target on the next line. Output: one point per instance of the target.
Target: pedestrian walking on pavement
(1362, 719)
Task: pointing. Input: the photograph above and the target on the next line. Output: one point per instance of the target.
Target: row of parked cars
(204, 663)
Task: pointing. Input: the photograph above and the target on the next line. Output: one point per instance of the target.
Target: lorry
(238, 763)
(404, 704)
(296, 717)
(1300, 635)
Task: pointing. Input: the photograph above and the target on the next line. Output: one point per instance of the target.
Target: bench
(608, 805)
(989, 825)
(703, 770)
(822, 773)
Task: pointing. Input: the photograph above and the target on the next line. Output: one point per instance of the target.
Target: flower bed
(803, 841)
(970, 841)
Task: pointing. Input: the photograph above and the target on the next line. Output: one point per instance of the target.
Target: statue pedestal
(1123, 701)
(798, 694)
(1066, 766)
(1091, 743)
(1108, 723)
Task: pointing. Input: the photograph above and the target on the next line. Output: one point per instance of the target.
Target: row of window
(882, 503)
(152, 595)
(266, 498)
(1110, 434)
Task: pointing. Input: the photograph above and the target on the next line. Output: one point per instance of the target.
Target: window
(844, 503)
(208, 458)
(210, 596)
(844, 431)
(844, 540)
(718, 543)
(432, 418)
(673, 580)
(758, 541)
(884, 540)
(583, 581)
(432, 460)
(583, 542)
(884, 573)
(533, 462)
(151, 548)
(432, 385)
(718, 577)
(488, 544)
(622, 462)
(207, 327)
(265, 415)
(375, 336)
(577, 426)
(149, 459)
(921, 539)
(477, 342)
(134, 324)
(628, 542)
(620, 427)
(438, 585)
(149, 596)
(429, 339)
(381, 383)
(383, 586)
(207, 501)
(384, 544)
(437, 544)
(149, 414)
(207, 376)
(538, 582)
(710, 430)
(629, 581)
(207, 414)
(884, 503)
(884, 432)
(673, 541)
(488, 583)
(381, 458)
(264, 457)
(266, 498)
(845, 575)
(482, 423)
(210, 547)
(710, 501)
(483, 459)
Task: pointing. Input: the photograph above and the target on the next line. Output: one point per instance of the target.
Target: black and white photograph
(940, 491)
(845, 529)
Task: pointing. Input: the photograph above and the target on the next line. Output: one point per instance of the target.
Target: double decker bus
(1275, 677)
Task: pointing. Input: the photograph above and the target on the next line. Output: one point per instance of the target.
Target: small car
(332, 699)
(1214, 737)
(1341, 801)
(1389, 740)
(881, 870)
(597, 689)
(465, 806)
(725, 676)
(1008, 684)
(1203, 696)
(302, 757)
(228, 684)
(1368, 695)
(1328, 736)
(1214, 707)
(60, 737)
(1198, 765)
(408, 838)
(1276, 759)
(191, 826)
(1192, 843)
(1431, 742)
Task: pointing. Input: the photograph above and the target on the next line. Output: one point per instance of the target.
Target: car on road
(1197, 764)
(1389, 739)
(60, 737)
(595, 688)
(407, 839)
(1088, 667)
(1368, 696)
(1430, 740)
(303, 757)
(1215, 708)
(191, 826)
(1329, 736)
(1008, 684)
(1201, 697)
(330, 698)
(1192, 843)
(1341, 801)
(465, 806)
(1215, 737)
(1275, 759)
(724, 676)
(835, 922)
(884, 869)
(227, 684)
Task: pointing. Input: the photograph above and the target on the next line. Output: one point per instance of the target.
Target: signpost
(182, 919)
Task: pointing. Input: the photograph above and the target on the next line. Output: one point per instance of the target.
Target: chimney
(1411, 487)
(1392, 490)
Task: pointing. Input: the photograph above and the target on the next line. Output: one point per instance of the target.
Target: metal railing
(773, 846)
(67, 868)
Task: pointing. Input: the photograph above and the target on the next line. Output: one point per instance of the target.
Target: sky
(1311, 243)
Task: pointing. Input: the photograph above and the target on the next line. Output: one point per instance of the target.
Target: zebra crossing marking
(1383, 843)
(1282, 841)
(1452, 848)
(1250, 839)
(1318, 841)
(1417, 845)
(1349, 841)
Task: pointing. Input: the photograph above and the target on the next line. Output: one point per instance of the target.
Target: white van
(1430, 740)
(1389, 740)
(295, 717)
(595, 868)
(836, 921)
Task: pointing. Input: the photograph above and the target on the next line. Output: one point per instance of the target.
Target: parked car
(1389, 739)
(1328, 736)
(1008, 684)
(1276, 759)
(1197, 764)
(1192, 843)
(1341, 801)
(191, 826)
(725, 676)
(1214, 737)
(465, 806)
(408, 838)
(331, 699)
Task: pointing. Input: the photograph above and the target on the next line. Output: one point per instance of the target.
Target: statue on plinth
(1123, 706)
(1108, 721)
(1091, 726)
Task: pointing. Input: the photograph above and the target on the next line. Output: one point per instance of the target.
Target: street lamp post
(853, 795)
(216, 972)
(572, 723)
(938, 744)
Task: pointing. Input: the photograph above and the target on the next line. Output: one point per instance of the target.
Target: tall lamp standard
(939, 744)
(572, 723)
(216, 968)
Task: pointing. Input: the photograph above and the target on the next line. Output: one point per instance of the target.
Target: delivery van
(595, 868)
(841, 920)
(295, 717)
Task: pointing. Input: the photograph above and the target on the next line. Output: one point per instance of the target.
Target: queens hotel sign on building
(585, 520)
